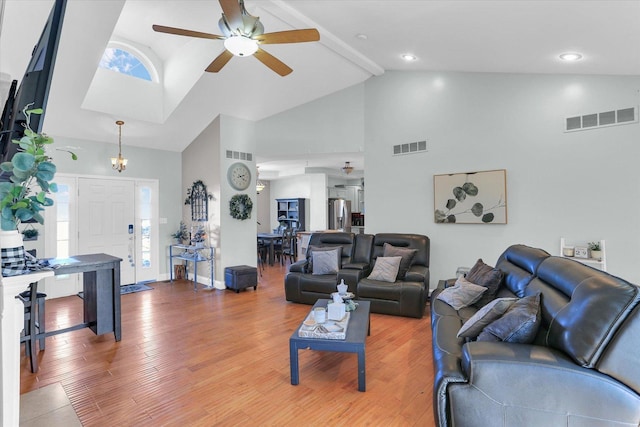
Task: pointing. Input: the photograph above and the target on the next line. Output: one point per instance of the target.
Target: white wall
(332, 124)
(579, 185)
(201, 162)
(205, 159)
(312, 187)
(238, 245)
(263, 208)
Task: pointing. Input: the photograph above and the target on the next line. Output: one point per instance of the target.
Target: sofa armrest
(298, 266)
(356, 266)
(509, 383)
(351, 277)
(417, 273)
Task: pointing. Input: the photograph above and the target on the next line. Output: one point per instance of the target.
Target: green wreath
(240, 206)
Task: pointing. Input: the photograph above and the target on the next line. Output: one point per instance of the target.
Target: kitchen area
(325, 203)
(346, 208)
(345, 212)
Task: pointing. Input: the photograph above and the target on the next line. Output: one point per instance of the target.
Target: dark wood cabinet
(292, 213)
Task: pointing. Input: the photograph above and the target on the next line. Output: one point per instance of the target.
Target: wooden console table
(102, 311)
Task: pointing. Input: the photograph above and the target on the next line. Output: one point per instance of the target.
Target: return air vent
(598, 120)
(238, 155)
(410, 148)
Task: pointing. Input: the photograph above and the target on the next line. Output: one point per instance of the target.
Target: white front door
(106, 220)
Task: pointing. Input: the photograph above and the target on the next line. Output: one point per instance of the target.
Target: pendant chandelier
(119, 163)
(259, 184)
(347, 168)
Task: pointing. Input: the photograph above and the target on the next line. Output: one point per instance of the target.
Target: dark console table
(101, 291)
(101, 277)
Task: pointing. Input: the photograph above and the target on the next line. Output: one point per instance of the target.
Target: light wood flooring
(214, 357)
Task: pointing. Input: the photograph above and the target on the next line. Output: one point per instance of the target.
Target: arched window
(123, 60)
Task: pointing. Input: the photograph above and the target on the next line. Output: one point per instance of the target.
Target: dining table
(270, 239)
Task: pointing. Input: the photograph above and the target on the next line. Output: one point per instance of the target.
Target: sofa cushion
(483, 317)
(411, 241)
(487, 276)
(407, 255)
(326, 262)
(312, 248)
(386, 269)
(519, 324)
(462, 294)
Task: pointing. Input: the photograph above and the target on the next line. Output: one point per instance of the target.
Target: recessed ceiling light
(361, 36)
(571, 56)
(409, 57)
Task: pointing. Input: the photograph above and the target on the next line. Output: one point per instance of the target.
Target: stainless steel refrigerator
(340, 215)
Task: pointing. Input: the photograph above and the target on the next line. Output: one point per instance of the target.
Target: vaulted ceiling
(358, 39)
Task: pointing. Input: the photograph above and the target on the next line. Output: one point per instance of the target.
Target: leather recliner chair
(302, 286)
(406, 297)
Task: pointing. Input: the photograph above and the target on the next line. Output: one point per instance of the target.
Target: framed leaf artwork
(471, 197)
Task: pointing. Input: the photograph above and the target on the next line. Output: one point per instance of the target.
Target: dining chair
(289, 247)
(262, 253)
(278, 244)
(34, 322)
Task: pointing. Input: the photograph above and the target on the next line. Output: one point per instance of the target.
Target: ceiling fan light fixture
(241, 45)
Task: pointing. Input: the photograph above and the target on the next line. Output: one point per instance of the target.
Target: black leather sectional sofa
(583, 368)
(406, 296)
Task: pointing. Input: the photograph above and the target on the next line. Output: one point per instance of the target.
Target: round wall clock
(239, 176)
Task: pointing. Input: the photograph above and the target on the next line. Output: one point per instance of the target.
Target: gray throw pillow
(487, 314)
(487, 276)
(386, 269)
(519, 324)
(325, 262)
(462, 294)
(406, 254)
(312, 248)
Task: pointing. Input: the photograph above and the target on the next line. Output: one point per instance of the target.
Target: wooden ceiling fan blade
(272, 62)
(217, 64)
(291, 36)
(232, 13)
(183, 32)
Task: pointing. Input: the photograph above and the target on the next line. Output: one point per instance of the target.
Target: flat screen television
(34, 87)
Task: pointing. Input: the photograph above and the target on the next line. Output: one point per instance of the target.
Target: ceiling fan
(243, 34)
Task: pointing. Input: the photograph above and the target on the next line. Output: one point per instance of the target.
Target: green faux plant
(24, 197)
(182, 234)
(198, 235)
(594, 246)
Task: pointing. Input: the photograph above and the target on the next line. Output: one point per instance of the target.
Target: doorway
(118, 217)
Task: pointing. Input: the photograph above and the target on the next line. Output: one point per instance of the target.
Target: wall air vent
(604, 119)
(238, 155)
(410, 148)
